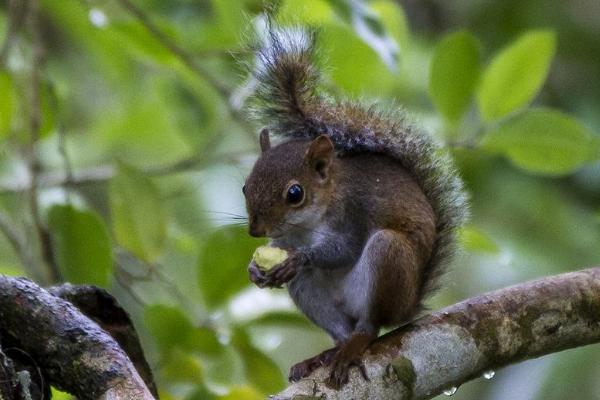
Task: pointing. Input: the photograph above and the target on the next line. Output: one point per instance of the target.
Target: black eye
(295, 194)
(244, 189)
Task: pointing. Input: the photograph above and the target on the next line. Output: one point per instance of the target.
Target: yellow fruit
(267, 257)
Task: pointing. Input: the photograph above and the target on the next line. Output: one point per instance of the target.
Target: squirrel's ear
(265, 142)
(320, 154)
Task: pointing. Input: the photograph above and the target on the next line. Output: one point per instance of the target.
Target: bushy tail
(286, 96)
(287, 103)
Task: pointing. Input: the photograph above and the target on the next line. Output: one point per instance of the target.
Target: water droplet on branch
(450, 391)
(489, 374)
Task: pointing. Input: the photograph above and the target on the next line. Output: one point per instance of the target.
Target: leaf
(394, 20)
(182, 367)
(81, 244)
(473, 239)
(172, 329)
(200, 392)
(368, 26)
(516, 74)
(222, 264)
(312, 12)
(454, 73)
(243, 393)
(48, 109)
(235, 393)
(261, 371)
(139, 219)
(7, 100)
(280, 318)
(376, 78)
(58, 395)
(168, 325)
(11, 270)
(544, 141)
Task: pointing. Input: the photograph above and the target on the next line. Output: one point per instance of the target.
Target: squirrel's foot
(349, 355)
(306, 367)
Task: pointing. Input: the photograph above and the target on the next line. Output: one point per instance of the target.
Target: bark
(67, 348)
(459, 343)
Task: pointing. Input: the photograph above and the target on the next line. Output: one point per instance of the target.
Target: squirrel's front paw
(256, 275)
(285, 271)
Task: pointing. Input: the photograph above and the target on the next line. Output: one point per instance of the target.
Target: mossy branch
(65, 347)
(459, 343)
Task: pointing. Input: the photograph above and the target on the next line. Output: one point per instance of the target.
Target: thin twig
(151, 269)
(18, 243)
(17, 11)
(464, 144)
(35, 121)
(125, 279)
(62, 149)
(174, 48)
(104, 173)
(187, 59)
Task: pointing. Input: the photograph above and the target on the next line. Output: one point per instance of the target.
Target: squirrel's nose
(257, 231)
(256, 228)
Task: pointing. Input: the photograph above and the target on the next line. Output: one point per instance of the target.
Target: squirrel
(366, 204)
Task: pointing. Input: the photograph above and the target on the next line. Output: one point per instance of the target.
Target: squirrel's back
(287, 102)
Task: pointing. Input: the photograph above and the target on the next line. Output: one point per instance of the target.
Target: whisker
(227, 213)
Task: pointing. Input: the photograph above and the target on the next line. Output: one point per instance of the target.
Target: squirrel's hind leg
(379, 289)
(312, 292)
(382, 288)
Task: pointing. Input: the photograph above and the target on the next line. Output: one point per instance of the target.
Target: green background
(144, 145)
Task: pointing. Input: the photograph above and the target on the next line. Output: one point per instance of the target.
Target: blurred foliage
(142, 148)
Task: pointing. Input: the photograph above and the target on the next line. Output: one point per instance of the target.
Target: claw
(349, 355)
(306, 367)
(256, 275)
(278, 275)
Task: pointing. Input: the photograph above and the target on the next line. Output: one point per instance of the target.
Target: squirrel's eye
(244, 189)
(295, 194)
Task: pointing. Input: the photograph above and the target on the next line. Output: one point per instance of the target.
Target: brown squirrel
(366, 204)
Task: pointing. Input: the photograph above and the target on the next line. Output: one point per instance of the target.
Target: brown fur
(380, 209)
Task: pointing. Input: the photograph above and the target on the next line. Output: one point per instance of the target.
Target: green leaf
(58, 395)
(315, 12)
(11, 270)
(168, 325)
(368, 26)
(473, 239)
(7, 100)
(139, 219)
(81, 244)
(183, 367)
(516, 74)
(222, 264)
(172, 329)
(261, 371)
(243, 393)
(394, 19)
(339, 42)
(200, 392)
(544, 141)
(454, 73)
(280, 318)
(48, 109)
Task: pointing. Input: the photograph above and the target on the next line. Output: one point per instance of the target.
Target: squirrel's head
(290, 186)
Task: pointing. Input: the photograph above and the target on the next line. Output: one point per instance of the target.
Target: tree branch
(73, 352)
(459, 343)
